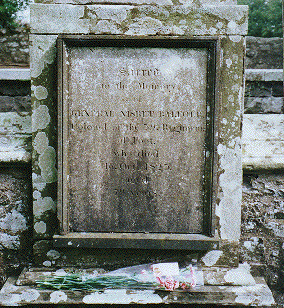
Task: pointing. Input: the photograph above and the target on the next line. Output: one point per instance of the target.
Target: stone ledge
(263, 141)
(136, 2)
(264, 74)
(136, 241)
(22, 74)
(15, 156)
(256, 295)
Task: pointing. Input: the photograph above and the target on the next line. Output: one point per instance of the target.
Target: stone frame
(227, 22)
(139, 240)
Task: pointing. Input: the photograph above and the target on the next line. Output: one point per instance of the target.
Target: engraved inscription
(136, 132)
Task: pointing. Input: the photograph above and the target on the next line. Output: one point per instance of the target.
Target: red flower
(171, 284)
(183, 286)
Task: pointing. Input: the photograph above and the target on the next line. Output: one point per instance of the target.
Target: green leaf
(8, 11)
(265, 17)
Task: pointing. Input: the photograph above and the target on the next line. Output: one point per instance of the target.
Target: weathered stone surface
(272, 248)
(263, 196)
(109, 259)
(229, 276)
(157, 241)
(252, 249)
(239, 276)
(227, 253)
(139, 20)
(228, 209)
(276, 226)
(15, 211)
(29, 276)
(258, 50)
(264, 91)
(263, 142)
(264, 53)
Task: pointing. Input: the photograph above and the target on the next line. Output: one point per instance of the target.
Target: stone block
(109, 259)
(43, 51)
(15, 88)
(15, 138)
(15, 211)
(138, 20)
(276, 226)
(229, 148)
(264, 53)
(44, 125)
(15, 103)
(229, 22)
(58, 19)
(259, 105)
(264, 88)
(15, 74)
(252, 250)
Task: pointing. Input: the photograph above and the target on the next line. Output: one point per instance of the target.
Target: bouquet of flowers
(166, 276)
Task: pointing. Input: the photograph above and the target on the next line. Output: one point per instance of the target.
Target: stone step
(253, 295)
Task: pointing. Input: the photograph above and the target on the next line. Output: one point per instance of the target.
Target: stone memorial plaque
(136, 148)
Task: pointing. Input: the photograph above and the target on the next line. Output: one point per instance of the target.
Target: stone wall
(15, 178)
(15, 96)
(264, 53)
(14, 47)
(263, 92)
(262, 242)
(263, 225)
(15, 218)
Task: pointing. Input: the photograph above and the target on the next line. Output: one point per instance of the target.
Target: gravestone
(136, 124)
(136, 129)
